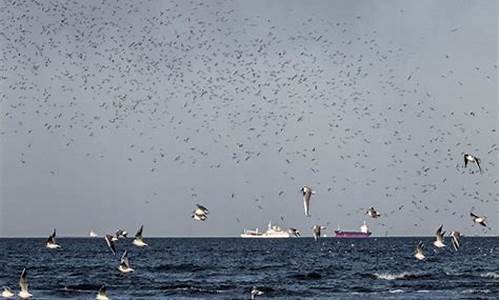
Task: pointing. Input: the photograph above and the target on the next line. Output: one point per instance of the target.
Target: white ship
(93, 234)
(272, 232)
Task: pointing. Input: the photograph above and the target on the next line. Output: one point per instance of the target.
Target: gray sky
(129, 112)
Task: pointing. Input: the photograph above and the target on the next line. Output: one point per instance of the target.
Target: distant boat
(93, 234)
(363, 232)
(272, 232)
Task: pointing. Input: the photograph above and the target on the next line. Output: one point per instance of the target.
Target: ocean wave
(400, 276)
(396, 291)
(474, 291)
(489, 275)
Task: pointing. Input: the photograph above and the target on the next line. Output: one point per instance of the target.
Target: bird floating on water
(419, 253)
(51, 241)
(124, 264)
(139, 241)
(7, 292)
(101, 294)
(439, 242)
(255, 292)
(23, 284)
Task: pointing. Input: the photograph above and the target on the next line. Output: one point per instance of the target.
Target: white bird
(7, 293)
(419, 253)
(306, 194)
(124, 264)
(119, 234)
(51, 241)
(294, 231)
(139, 241)
(372, 212)
(23, 284)
(200, 213)
(479, 220)
(455, 239)
(317, 231)
(110, 242)
(472, 159)
(439, 242)
(101, 294)
(255, 292)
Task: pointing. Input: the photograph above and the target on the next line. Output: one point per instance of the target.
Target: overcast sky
(126, 113)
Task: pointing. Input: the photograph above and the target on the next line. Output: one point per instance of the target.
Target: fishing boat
(363, 232)
(273, 231)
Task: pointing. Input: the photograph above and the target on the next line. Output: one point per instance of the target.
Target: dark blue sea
(227, 268)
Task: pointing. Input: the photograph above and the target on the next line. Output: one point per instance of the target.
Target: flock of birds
(200, 213)
(224, 96)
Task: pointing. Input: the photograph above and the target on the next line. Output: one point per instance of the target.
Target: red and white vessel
(363, 232)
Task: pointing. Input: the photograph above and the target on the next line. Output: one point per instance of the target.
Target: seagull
(294, 231)
(124, 264)
(478, 220)
(51, 241)
(439, 242)
(120, 234)
(7, 293)
(23, 283)
(139, 241)
(110, 242)
(317, 231)
(101, 294)
(455, 239)
(470, 158)
(255, 292)
(419, 254)
(373, 213)
(200, 213)
(306, 193)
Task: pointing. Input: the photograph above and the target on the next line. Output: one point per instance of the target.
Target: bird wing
(139, 232)
(23, 281)
(307, 197)
(110, 243)
(465, 160)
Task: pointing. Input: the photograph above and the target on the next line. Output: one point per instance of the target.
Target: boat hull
(351, 234)
(264, 236)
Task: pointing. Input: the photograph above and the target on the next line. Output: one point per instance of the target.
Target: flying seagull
(200, 213)
(294, 231)
(7, 292)
(124, 264)
(419, 254)
(479, 220)
(317, 231)
(255, 292)
(139, 241)
(373, 213)
(120, 234)
(439, 242)
(306, 193)
(111, 243)
(23, 284)
(455, 239)
(472, 159)
(101, 294)
(51, 241)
